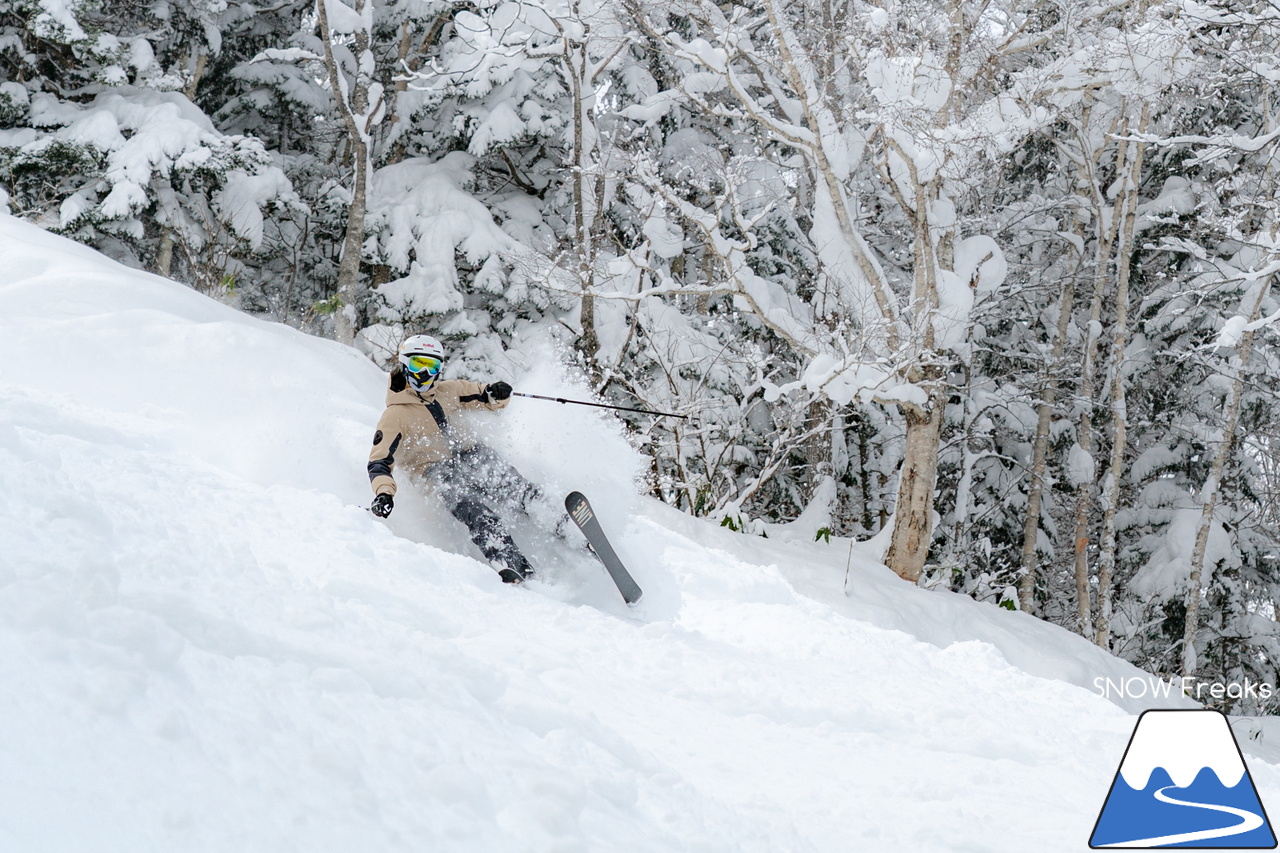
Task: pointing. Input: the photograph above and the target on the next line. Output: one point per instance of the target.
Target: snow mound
(206, 644)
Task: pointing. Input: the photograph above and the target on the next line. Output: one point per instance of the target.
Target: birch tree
(346, 34)
(1226, 442)
(1127, 204)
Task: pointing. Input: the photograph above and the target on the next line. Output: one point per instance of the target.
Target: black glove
(382, 505)
(498, 391)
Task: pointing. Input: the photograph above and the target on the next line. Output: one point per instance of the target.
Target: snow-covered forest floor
(206, 643)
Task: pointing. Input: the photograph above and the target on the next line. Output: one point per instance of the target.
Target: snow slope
(206, 644)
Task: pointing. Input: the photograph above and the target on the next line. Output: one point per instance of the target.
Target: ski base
(580, 511)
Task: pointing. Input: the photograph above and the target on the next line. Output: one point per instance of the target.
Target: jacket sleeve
(382, 459)
(471, 395)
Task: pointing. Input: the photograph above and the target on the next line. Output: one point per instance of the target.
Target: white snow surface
(206, 644)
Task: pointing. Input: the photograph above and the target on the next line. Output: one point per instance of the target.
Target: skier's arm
(382, 459)
(476, 395)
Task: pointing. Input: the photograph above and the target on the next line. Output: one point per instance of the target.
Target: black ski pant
(470, 484)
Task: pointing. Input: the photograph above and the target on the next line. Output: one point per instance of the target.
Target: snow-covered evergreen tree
(104, 142)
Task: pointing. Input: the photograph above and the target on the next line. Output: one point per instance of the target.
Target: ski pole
(598, 405)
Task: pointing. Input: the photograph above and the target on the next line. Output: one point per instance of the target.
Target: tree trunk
(864, 478)
(1040, 454)
(1209, 492)
(1119, 408)
(968, 459)
(197, 74)
(576, 62)
(349, 285)
(164, 255)
(354, 107)
(913, 514)
(817, 451)
(1107, 230)
(1066, 306)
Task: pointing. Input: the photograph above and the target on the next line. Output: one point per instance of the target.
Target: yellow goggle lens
(424, 364)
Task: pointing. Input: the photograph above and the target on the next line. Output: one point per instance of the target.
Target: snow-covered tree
(104, 142)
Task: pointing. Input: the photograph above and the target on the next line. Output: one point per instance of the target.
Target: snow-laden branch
(1233, 141)
(286, 54)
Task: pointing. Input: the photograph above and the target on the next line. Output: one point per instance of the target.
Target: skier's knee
(474, 514)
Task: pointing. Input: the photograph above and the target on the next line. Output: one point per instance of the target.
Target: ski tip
(579, 508)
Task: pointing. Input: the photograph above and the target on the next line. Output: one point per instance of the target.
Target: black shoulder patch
(377, 437)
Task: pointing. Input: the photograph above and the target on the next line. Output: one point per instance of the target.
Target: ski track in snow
(206, 645)
(1248, 822)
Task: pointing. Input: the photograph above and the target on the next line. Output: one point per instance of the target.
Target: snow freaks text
(1149, 687)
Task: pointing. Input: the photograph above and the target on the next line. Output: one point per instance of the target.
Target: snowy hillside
(206, 644)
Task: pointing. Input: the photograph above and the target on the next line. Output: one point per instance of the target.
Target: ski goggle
(424, 364)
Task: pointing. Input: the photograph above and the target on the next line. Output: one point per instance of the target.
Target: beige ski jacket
(421, 429)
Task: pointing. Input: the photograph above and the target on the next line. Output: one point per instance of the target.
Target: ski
(583, 516)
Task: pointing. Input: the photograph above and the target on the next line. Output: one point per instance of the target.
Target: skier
(416, 428)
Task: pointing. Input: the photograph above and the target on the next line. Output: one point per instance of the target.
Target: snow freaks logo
(1183, 783)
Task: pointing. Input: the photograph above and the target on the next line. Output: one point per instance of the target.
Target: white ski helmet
(422, 358)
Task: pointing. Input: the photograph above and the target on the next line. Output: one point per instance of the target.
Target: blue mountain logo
(1183, 783)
